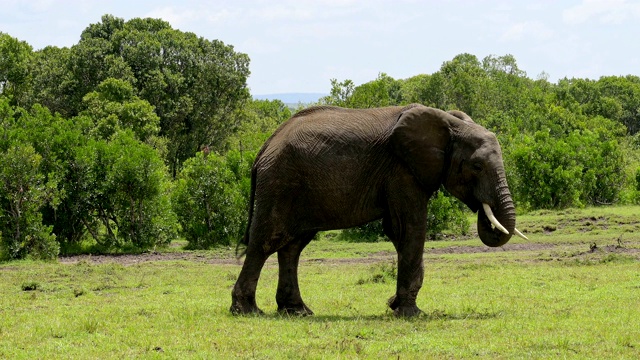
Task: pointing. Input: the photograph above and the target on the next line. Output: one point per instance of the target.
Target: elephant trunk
(505, 215)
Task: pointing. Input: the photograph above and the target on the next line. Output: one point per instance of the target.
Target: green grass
(556, 296)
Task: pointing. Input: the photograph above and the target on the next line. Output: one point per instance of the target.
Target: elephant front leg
(410, 277)
(288, 294)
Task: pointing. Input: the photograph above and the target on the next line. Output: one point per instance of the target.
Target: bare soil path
(229, 259)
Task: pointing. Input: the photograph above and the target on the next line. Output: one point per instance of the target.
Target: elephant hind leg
(243, 295)
(288, 295)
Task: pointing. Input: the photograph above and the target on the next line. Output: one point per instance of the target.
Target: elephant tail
(241, 247)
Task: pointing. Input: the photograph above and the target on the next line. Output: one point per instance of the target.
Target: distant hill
(292, 98)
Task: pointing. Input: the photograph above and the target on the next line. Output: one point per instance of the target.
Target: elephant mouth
(496, 231)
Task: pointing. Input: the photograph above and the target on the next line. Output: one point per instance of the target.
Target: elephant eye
(477, 167)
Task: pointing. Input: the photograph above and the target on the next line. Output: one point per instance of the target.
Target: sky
(298, 46)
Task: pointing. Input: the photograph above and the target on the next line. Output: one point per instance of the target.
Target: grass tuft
(31, 286)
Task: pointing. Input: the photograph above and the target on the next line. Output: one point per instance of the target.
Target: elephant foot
(296, 310)
(237, 309)
(407, 311)
(403, 308)
(244, 306)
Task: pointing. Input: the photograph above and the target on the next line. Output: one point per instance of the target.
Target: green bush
(23, 192)
(139, 183)
(369, 232)
(127, 189)
(576, 169)
(446, 213)
(208, 202)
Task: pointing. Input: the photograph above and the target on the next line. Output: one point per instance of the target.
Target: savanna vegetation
(140, 135)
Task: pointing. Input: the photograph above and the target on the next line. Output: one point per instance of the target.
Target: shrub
(23, 192)
(369, 232)
(446, 213)
(208, 202)
(139, 183)
(127, 193)
(574, 169)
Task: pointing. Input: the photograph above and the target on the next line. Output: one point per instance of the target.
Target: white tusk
(520, 234)
(494, 221)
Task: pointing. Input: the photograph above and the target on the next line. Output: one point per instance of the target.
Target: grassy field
(572, 291)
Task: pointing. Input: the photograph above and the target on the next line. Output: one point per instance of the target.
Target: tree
(114, 106)
(462, 77)
(23, 192)
(413, 89)
(340, 93)
(258, 120)
(140, 188)
(51, 82)
(383, 91)
(194, 85)
(14, 72)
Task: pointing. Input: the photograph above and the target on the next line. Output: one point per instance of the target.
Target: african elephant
(333, 168)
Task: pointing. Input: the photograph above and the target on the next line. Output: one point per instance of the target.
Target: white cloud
(277, 13)
(527, 30)
(603, 11)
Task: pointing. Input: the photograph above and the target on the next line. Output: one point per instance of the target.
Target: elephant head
(449, 148)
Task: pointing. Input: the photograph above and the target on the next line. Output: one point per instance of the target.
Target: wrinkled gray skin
(332, 168)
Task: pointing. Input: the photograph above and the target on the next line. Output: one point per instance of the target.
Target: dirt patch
(132, 259)
(485, 249)
(630, 248)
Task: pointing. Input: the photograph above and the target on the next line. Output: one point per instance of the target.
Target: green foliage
(369, 232)
(128, 193)
(208, 202)
(14, 70)
(56, 140)
(613, 97)
(51, 81)
(23, 192)
(194, 85)
(573, 170)
(462, 80)
(340, 94)
(140, 188)
(446, 213)
(550, 176)
(258, 120)
(114, 106)
(240, 165)
(384, 91)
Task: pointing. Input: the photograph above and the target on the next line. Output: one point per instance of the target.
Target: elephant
(332, 168)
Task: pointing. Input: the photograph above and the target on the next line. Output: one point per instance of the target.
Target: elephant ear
(460, 115)
(420, 139)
